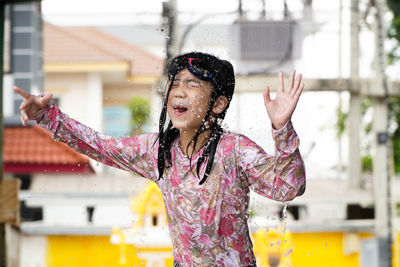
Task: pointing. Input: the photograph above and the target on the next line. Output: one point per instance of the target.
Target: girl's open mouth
(180, 109)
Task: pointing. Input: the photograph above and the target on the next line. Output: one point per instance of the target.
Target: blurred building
(94, 76)
(93, 73)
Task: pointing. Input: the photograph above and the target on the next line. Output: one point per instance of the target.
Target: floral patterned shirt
(208, 222)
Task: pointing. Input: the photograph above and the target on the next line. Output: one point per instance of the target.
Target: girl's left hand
(282, 107)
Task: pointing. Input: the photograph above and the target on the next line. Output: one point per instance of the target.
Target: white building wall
(33, 251)
(71, 90)
(94, 101)
(80, 96)
(113, 215)
(64, 214)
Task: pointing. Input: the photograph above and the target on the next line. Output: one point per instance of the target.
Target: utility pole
(381, 167)
(170, 15)
(170, 26)
(240, 10)
(354, 165)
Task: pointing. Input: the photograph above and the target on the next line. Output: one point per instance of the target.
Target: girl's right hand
(32, 104)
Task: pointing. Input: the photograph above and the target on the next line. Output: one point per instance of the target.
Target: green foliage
(394, 29)
(395, 110)
(341, 120)
(252, 213)
(394, 55)
(366, 162)
(140, 113)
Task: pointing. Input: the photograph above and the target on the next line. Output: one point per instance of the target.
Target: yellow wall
(310, 249)
(322, 249)
(93, 251)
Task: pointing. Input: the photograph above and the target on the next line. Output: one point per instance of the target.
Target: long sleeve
(132, 153)
(280, 177)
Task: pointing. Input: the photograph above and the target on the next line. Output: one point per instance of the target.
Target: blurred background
(104, 62)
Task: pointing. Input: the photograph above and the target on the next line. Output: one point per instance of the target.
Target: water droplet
(288, 252)
(284, 217)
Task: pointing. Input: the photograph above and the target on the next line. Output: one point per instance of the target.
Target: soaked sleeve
(131, 153)
(280, 177)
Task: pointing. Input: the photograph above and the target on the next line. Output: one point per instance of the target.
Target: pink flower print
(175, 176)
(229, 145)
(185, 240)
(225, 227)
(53, 113)
(207, 215)
(188, 259)
(205, 239)
(278, 181)
(247, 142)
(133, 142)
(112, 145)
(188, 230)
(82, 146)
(220, 263)
(238, 245)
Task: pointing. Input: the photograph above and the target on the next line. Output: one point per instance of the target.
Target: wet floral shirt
(208, 222)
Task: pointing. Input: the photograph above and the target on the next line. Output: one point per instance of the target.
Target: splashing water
(288, 252)
(284, 217)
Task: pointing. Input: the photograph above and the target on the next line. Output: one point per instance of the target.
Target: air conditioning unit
(265, 40)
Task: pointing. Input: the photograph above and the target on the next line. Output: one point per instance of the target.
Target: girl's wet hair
(221, 75)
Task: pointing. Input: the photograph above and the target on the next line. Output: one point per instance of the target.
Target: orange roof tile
(34, 145)
(142, 62)
(87, 44)
(59, 46)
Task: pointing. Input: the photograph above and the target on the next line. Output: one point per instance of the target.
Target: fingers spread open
(299, 91)
(267, 97)
(291, 79)
(296, 85)
(280, 82)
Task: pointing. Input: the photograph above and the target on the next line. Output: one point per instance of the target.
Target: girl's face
(188, 101)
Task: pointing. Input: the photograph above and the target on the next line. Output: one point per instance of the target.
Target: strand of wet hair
(210, 152)
(163, 136)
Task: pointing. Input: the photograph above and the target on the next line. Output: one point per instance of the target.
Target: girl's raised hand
(32, 104)
(282, 107)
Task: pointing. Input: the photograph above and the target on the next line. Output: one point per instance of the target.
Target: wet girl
(204, 172)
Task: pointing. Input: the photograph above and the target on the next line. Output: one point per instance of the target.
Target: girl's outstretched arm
(132, 153)
(280, 177)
